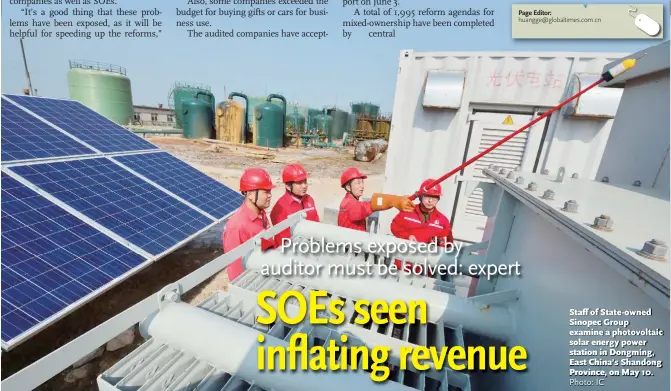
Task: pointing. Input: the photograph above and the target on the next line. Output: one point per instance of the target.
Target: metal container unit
(198, 117)
(340, 123)
(104, 88)
(468, 101)
(270, 122)
(183, 91)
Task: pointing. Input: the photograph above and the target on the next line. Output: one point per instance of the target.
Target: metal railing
(98, 66)
(184, 84)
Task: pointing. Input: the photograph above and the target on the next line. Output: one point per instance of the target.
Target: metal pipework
(495, 321)
(232, 347)
(245, 126)
(284, 110)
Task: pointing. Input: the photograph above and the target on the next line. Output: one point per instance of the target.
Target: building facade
(154, 116)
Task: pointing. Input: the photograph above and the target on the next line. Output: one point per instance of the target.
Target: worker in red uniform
(295, 199)
(424, 224)
(353, 213)
(250, 218)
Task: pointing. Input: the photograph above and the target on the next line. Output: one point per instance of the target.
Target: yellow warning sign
(508, 120)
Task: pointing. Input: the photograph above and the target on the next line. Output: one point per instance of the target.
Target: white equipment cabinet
(449, 106)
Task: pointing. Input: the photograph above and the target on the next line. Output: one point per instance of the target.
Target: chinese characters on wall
(526, 79)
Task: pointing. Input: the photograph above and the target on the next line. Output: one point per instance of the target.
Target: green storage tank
(371, 111)
(357, 109)
(270, 122)
(182, 91)
(252, 103)
(198, 117)
(325, 126)
(366, 110)
(340, 123)
(312, 113)
(296, 121)
(103, 88)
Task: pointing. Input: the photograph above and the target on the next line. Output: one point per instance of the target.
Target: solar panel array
(85, 204)
(84, 124)
(26, 137)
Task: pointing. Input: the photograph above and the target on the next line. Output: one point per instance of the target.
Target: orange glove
(386, 201)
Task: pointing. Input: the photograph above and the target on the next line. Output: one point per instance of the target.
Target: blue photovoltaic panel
(84, 123)
(50, 259)
(185, 181)
(118, 200)
(26, 137)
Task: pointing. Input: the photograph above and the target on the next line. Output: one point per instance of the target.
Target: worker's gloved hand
(405, 205)
(387, 201)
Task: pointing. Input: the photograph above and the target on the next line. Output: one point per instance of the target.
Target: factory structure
(580, 202)
(193, 112)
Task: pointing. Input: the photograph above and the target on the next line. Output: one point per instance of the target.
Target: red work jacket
(437, 227)
(289, 204)
(353, 213)
(240, 227)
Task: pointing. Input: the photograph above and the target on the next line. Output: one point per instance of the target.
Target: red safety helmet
(255, 179)
(294, 173)
(350, 174)
(435, 191)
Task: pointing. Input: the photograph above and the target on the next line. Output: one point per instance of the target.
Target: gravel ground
(224, 162)
(318, 163)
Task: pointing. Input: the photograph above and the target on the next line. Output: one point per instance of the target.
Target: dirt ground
(225, 163)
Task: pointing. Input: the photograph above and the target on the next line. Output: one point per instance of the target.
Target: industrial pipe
(232, 347)
(245, 127)
(284, 111)
(453, 311)
(329, 136)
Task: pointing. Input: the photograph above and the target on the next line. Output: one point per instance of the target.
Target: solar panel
(50, 260)
(26, 137)
(84, 124)
(184, 181)
(55, 258)
(118, 200)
